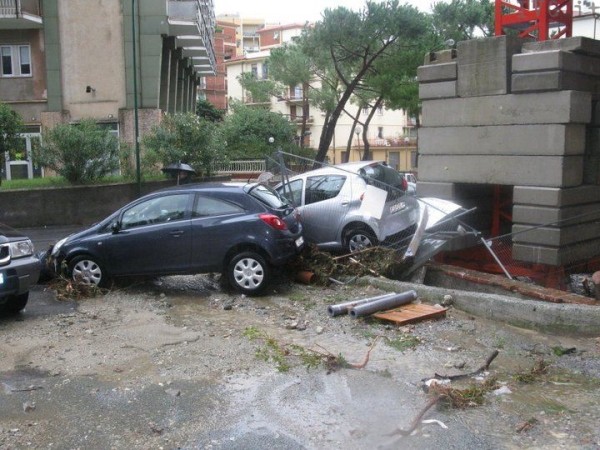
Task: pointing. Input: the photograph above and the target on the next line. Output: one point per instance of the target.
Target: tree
(291, 67)
(247, 130)
(258, 91)
(461, 20)
(80, 153)
(11, 125)
(184, 138)
(206, 110)
(347, 44)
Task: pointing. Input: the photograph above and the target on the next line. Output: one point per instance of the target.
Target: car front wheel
(248, 273)
(86, 270)
(358, 239)
(16, 304)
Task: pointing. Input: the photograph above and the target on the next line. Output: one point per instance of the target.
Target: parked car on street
(411, 179)
(353, 205)
(240, 230)
(19, 269)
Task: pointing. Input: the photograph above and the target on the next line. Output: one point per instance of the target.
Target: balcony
(20, 14)
(192, 23)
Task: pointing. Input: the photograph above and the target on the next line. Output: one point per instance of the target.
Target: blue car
(240, 230)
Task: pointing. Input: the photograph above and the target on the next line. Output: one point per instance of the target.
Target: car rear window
(268, 196)
(383, 177)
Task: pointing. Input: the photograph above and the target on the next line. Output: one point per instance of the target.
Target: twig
(467, 375)
(364, 363)
(417, 420)
(357, 252)
(27, 389)
(355, 261)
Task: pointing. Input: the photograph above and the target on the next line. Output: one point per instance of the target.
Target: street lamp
(358, 131)
(138, 174)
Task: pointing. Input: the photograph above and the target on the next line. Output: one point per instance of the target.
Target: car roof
(352, 167)
(210, 186)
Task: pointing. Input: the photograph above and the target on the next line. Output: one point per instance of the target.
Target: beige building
(391, 134)
(68, 60)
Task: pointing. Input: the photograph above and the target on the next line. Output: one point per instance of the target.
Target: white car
(353, 205)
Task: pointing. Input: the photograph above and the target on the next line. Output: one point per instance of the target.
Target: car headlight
(21, 248)
(57, 246)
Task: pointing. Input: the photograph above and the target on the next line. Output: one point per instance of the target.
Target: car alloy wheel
(359, 239)
(249, 273)
(84, 269)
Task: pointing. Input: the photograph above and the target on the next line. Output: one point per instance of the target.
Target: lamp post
(138, 174)
(358, 131)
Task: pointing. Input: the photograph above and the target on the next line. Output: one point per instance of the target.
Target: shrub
(80, 153)
(184, 138)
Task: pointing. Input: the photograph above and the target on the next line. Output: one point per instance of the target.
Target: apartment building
(391, 134)
(68, 60)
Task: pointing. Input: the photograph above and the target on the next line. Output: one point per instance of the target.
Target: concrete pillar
(165, 72)
(180, 83)
(173, 72)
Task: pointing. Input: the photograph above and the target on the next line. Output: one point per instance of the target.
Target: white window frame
(14, 52)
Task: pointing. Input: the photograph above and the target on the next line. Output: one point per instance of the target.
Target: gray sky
(274, 11)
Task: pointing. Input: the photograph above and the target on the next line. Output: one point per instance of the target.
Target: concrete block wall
(507, 111)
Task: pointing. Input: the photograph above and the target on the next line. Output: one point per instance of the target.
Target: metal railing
(248, 166)
(10, 8)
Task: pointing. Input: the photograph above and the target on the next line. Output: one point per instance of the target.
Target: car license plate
(1, 278)
(299, 242)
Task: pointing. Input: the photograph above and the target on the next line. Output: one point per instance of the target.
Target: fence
(241, 167)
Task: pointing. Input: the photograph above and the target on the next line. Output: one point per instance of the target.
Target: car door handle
(176, 233)
(345, 203)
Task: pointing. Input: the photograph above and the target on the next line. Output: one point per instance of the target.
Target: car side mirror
(115, 226)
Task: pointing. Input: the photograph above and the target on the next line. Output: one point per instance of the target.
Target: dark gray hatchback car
(240, 230)
(19, 269)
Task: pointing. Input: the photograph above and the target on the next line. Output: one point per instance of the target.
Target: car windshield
(268, 196)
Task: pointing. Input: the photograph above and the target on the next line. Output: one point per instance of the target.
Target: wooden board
(413, 312)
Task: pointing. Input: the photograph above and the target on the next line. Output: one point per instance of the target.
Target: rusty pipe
(343, 308)
(383, 304)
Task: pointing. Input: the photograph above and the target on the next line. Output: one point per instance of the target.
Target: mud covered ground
(173, 363)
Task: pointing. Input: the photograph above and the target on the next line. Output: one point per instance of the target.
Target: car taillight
(273, 221)
(404, 184)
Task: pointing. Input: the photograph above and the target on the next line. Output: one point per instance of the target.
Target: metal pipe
(343, 308)
(383, 304)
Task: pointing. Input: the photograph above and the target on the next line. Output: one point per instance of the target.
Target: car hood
(8, 234)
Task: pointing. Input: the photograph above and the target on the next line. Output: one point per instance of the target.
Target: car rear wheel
(359, 238)
(86, 270)
(16, 304)
(248, 273)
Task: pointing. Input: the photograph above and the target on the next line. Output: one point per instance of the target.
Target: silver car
(354, 205)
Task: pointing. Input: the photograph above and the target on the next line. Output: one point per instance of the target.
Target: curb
(551, 318)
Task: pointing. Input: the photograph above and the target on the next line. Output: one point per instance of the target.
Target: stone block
(532, 140)
(440, 57)
(556, 197)
(577, 44)
(437, 72)
(442, 89)
(549, 216)
(556, 60)
(446, 191)
(557, 80)
(555, 237)
(484, 65)
(513, 109)
(545, 171)
(556, 256)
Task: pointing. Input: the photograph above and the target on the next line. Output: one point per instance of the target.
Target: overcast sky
(283, 12)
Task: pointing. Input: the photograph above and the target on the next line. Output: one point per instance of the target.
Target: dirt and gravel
(181, 362)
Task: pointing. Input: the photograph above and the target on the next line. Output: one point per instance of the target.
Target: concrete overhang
(183, 27)
(23, 22)
(195, 52)
(189, 41)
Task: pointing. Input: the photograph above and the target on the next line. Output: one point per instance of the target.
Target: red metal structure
(538, 19)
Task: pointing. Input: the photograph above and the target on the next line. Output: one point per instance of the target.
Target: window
(254, 69)
(206, 206)
(292, 192)
(297, 92)
(380, 132)
(265, 70)
(323, 187)
(16, 60)
(163, 209)
(365, 111)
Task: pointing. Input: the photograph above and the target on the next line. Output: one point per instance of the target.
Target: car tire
(359, 238)
(87, 270)
(248, 273)
(16, 304)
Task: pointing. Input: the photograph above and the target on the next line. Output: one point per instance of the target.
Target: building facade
(390, 134)
(68, 60)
